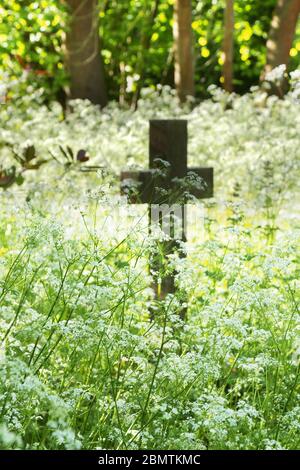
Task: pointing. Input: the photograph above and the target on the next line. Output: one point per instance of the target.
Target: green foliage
(31, 38)
(136, 44)
(81, 363)
(125, 60)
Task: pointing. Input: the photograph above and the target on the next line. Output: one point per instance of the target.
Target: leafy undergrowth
(82, 363)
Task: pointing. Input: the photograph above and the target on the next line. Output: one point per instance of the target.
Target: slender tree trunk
(228, 45)
(145, 45)
(282, 33)
(84, 59)
(183, 49)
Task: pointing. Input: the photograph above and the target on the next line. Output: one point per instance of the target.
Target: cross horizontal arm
(136, 185)
(141, 187)
(207, 176)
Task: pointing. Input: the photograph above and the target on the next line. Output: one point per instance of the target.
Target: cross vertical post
(168, 142)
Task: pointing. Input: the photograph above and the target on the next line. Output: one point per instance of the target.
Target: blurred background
(111, 49)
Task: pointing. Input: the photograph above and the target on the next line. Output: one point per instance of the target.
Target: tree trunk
(228, 45)
(282, 33)
(84, 59)
(142, 58)
(183, 49)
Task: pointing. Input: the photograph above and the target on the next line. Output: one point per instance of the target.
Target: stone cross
(161, 186)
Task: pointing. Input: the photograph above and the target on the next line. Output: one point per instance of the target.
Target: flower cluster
(89, 358)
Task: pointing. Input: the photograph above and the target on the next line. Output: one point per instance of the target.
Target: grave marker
(161, 185)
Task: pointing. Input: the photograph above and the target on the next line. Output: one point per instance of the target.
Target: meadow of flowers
(83, 365)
